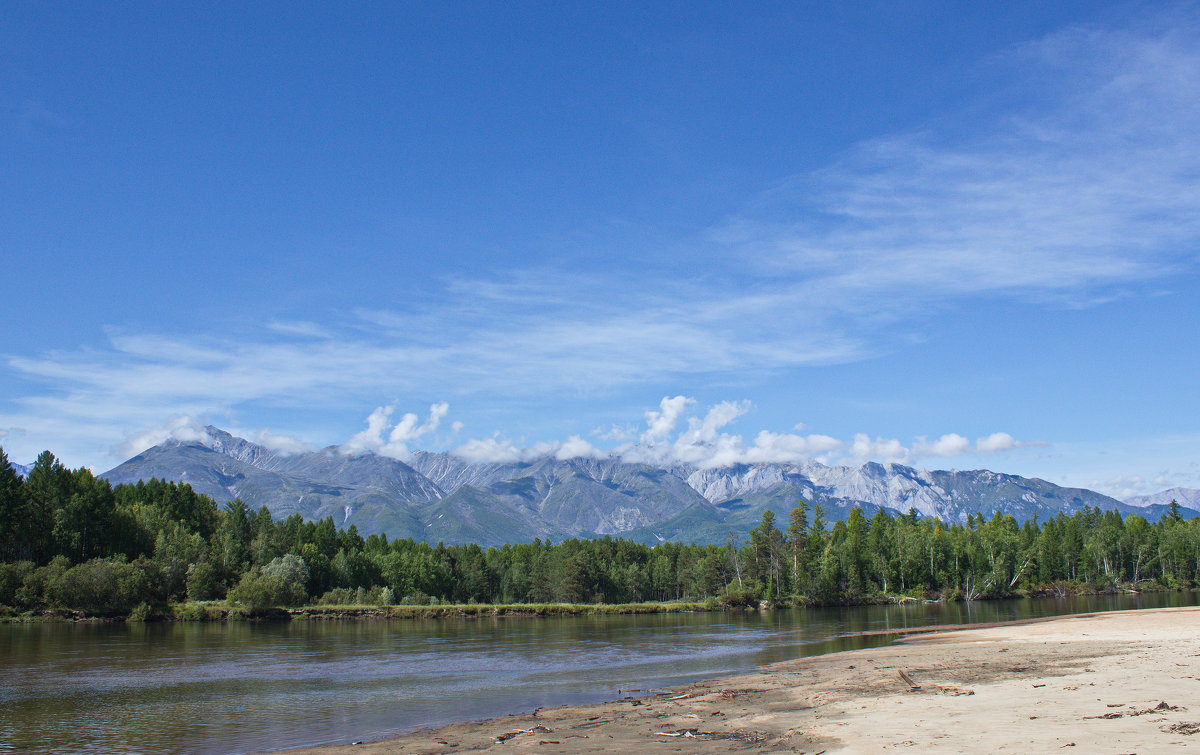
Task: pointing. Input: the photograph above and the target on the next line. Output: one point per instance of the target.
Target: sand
(1119, 682)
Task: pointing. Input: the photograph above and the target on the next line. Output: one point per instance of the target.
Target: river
(238, 688)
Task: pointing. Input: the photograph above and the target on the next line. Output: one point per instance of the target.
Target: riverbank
(1119, 682)
(224, 611)
(219, 611)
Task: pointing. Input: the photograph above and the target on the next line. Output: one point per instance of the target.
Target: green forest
(70, 540)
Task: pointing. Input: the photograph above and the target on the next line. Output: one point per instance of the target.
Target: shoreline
(220, 611)
(1118, 682)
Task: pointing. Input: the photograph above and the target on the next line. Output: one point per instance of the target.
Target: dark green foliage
(14, 514)
(47, 490)
(12, 576)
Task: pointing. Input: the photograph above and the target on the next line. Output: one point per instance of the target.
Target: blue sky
(957, 235)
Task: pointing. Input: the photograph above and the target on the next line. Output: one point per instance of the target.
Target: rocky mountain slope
(441, 497)
(374, 492)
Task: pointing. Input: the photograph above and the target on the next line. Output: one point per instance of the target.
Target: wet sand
(1120, 682)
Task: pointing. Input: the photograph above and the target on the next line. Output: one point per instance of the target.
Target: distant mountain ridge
(442, 497)
(1188, 497)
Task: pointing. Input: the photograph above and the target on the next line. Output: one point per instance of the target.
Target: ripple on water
(199, 688)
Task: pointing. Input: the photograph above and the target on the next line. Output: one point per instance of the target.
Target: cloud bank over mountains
(673, 435)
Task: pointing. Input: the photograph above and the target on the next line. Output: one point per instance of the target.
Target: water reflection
(211, 688)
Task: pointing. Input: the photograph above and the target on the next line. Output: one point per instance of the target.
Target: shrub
(11, 578)
(204, 582)
(279, 583)
(741, 597)
(102, 585)
(257, 591)
(290, 568)
(344, 596)
(190, 612)
(416, 598)
(141, 612)
(32, 592)
(338, 596)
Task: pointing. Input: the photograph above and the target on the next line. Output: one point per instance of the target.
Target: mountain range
(442, 497)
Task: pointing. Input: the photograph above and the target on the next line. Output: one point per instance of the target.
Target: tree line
(71, 540)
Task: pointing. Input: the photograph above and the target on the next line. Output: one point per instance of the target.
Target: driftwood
(908, 680)
(509, 735)
(1162, 707)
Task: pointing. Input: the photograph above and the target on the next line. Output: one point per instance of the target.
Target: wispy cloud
(301, 328)
(189, 429)
(182, 428)
(1073, 199)
(1091, 188)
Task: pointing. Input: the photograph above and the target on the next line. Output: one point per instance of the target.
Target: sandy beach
(1120, 682)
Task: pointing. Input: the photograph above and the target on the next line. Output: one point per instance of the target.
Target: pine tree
(797, 538)
(14, 513)
(1173, 512)
(47, 490)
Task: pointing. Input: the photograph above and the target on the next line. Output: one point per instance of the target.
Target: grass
(218, 611)
(487, 610)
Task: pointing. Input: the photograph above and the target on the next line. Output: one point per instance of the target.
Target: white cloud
(703, 444)
(718, 416)
(661, 423)
(798, 446)
(408, 429)
(494, 450)
(370, 439)
(880, 449)
(768, 448)
(950, 444)
(501, 450)
(947, 445)
(182, 428)
(990, 444)
(282, 444)
(576, 447)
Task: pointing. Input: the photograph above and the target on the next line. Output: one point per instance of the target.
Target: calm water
(237, 688)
